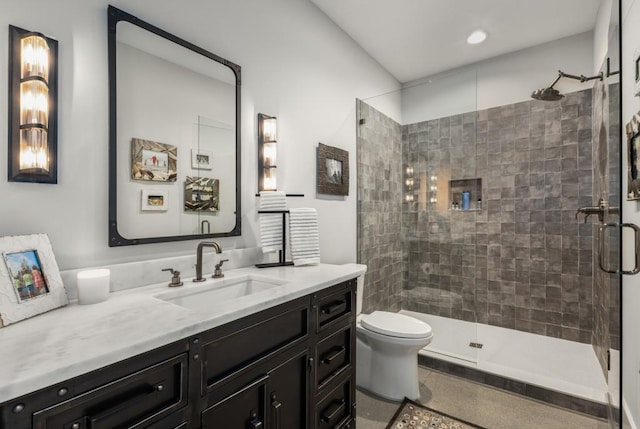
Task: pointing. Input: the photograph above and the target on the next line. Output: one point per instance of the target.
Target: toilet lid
(396, 325)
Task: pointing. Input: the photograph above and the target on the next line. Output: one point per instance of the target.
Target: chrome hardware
(63, 391)
(196, 356)
(602, 209)
(601, 247)
(175, 280)
(159, 387)
(218, 269)
(201, 246)
(18, 408)
(76, 425)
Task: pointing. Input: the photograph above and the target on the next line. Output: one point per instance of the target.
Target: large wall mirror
(174, 137)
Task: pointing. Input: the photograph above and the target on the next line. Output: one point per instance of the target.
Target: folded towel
(304, 236)
(271, 223)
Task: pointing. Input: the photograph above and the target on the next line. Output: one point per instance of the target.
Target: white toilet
(387, 346)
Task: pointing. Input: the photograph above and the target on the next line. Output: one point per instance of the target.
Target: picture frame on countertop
(30, 281)
(332, 170)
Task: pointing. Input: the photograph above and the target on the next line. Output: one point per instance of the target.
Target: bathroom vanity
(279, 358)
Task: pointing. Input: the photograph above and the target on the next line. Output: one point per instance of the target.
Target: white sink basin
(213, 292)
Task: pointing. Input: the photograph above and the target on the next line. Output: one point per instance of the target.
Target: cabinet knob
(63, 391)
(196, 356)
(18, 408)
(255, 423)
(159, 387)
(76, 425)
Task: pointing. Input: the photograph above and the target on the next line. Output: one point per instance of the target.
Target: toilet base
(387, 370)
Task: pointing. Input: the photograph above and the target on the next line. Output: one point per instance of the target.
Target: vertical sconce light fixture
(267, 136)
(33, 95)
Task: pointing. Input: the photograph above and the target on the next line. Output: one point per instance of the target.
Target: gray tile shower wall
(522, 261)
(379, 208)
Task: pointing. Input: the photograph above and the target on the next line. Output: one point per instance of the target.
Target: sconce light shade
(267, 152)
(33, 89)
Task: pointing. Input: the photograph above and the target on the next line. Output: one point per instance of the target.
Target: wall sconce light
(33, 86)
(409, 183)
(267, 154)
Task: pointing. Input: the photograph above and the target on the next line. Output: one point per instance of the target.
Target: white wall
(506, 79)
(296, 65)
(630, 213)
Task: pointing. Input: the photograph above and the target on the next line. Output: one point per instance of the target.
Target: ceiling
(413, 39)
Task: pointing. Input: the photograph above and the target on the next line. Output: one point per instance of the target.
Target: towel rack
(282, 254)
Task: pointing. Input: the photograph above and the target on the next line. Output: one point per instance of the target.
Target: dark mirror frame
(115, 239)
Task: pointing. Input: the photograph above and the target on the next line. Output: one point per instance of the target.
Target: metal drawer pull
(326, 360)
(131, 402)
(334, 307)
(601, 247)
(276, 405)
(338, 409)
(255, 423)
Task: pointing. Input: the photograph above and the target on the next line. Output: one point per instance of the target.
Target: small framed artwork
(30, 281)
(201, 194)
(201, 159)
(633, 158)
(152, 200)
(332, 170)
(153, 161)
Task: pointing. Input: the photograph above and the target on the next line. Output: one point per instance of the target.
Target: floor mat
(412, 415)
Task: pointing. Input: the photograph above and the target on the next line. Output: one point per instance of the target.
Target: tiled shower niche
(457, 188)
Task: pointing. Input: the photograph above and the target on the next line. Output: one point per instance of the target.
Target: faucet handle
(217, 273)
(175, 279)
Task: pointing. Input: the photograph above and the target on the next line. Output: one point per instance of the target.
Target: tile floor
(476, 403)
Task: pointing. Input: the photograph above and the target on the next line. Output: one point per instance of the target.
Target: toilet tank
(359, 294)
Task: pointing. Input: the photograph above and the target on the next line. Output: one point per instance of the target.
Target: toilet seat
(395, 325)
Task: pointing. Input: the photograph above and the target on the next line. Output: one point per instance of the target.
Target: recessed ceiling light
(476, 37)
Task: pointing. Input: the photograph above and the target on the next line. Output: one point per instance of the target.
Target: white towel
(304, 236)
(271, 224)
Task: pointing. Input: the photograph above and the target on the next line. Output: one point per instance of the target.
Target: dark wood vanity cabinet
(287, 367)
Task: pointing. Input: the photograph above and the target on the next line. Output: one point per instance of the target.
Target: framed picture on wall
(633, 158)
(201, 159)
(30, 281)
(152, 200)
(201, 194)
(332, 170)
(153, 161)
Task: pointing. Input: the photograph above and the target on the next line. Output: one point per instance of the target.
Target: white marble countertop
(77, 339)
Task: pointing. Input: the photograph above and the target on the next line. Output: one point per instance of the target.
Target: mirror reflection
(174, 138)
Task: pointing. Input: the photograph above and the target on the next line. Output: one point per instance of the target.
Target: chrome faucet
(201, 246)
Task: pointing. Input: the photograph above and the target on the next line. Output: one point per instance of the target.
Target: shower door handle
(636, 247)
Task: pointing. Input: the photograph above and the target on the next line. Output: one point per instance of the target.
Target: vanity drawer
(335, 303)
(334, 355)
(237, 347)
(129, 402)
(336, 410)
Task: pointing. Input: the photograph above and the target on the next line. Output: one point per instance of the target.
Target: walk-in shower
(466, 220)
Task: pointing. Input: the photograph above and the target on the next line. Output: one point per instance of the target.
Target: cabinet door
(244, 409)
(288, 393)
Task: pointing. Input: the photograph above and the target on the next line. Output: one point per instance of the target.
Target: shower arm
(581, 78)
